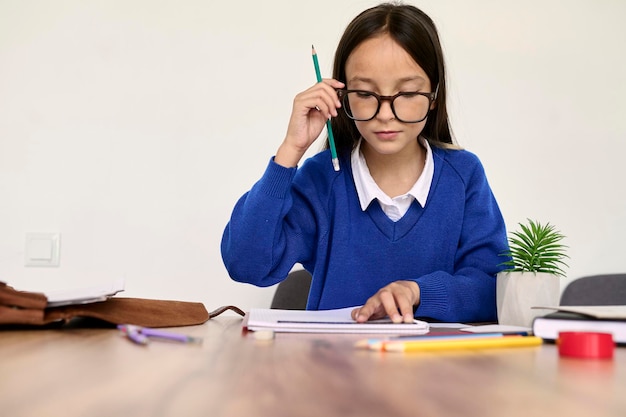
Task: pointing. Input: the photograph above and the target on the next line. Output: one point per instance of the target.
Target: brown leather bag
(30, 308)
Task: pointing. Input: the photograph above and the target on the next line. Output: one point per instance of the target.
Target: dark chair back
(609, 289)
(293, 292)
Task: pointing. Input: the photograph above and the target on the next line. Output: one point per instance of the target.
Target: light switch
(42, 249)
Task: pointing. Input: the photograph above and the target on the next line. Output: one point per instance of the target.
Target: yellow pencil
(491, 343)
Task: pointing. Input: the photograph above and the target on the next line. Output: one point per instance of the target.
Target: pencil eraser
(586, 345)
(264, 335)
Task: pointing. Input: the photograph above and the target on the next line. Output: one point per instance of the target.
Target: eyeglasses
(407, 107)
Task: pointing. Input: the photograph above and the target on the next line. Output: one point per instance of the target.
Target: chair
(609, 289)
(293, 292)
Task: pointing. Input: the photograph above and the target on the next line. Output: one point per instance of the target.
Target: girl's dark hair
(414, 31)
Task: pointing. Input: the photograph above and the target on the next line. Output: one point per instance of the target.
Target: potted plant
(532, 278)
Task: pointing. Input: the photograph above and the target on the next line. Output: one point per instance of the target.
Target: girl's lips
(386, 134)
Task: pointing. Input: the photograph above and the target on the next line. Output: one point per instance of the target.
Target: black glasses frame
(344, 95)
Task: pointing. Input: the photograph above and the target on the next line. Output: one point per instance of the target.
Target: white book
(604, 319)
(326, 321)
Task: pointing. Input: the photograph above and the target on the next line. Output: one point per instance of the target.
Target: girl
(409, 225)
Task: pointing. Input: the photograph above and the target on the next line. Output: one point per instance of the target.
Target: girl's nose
(385, 112)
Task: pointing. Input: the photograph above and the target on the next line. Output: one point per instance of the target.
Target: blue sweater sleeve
(469, 293)
(258, 230)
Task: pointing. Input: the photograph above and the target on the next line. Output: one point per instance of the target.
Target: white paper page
(448, 325)
(496, 328)
(267, 315)
(599, 312)
(84, 295)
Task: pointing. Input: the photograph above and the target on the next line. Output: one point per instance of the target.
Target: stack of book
(605, 319)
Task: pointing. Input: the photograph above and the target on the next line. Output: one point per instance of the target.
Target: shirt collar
(368, 190)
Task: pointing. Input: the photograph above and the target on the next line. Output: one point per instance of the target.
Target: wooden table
(97, 372)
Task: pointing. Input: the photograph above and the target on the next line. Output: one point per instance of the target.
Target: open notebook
(325, 321)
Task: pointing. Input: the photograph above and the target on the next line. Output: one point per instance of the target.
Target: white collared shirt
(396, 207)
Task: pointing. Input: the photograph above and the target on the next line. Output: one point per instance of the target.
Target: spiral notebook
(325, 321)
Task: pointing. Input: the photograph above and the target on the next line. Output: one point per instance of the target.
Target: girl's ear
(434, 103)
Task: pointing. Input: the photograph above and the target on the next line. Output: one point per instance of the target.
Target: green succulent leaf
(536, 248)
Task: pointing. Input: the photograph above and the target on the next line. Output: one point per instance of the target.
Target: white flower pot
(517, 292)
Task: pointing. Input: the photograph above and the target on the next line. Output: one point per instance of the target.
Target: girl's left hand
(395, 300)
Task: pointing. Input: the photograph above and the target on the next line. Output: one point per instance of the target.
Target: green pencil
(331, 138)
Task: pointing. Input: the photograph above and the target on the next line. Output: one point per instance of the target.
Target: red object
(588, 345)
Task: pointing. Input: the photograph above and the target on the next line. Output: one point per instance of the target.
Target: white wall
(131, 127)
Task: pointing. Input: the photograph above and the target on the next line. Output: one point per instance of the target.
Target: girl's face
(382, 66)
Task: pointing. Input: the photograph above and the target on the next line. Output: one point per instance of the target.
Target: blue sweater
(311, 215)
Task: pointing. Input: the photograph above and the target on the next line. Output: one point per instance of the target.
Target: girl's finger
(388, 301)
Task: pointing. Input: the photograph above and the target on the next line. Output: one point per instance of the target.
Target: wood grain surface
(97, 372)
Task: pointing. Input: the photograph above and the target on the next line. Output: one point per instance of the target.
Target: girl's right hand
(311, 109)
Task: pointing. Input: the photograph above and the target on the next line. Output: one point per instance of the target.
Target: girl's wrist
(287, 156)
